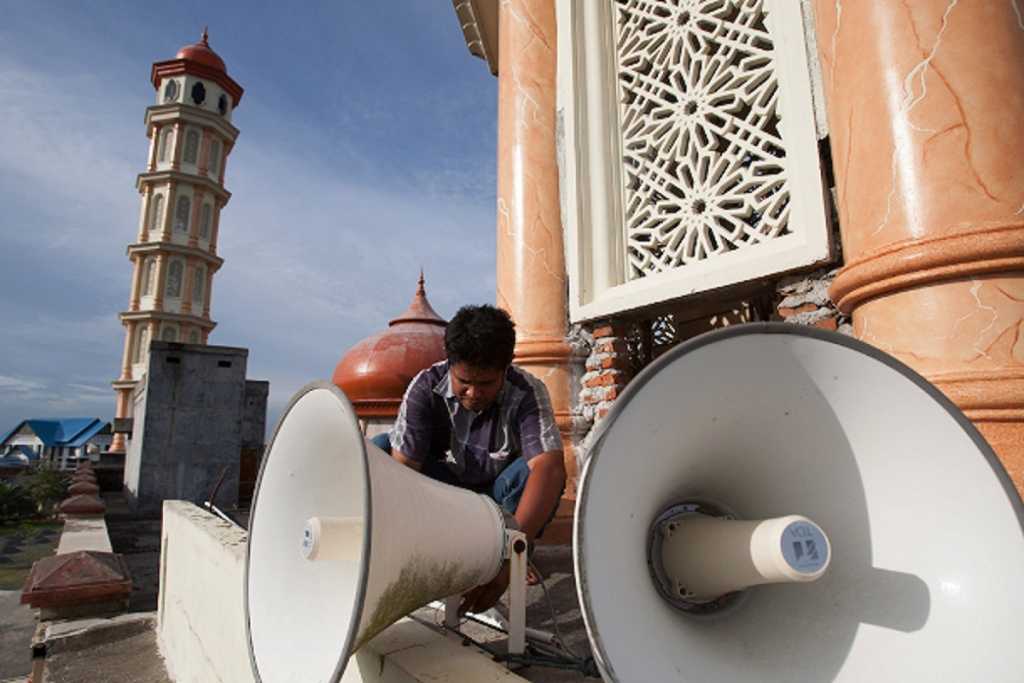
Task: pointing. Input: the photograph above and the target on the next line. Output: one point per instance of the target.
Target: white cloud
(19, 385)
(90, 391)
(76, 160)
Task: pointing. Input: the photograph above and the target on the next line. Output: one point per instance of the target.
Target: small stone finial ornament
(80, 487)
(83, 505)
(205, 39)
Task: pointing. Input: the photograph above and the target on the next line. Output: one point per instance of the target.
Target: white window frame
(164, 141)
(205, 220)
(148, 276)
(171, 265)
(142, 344)
(591, 172)
(191, 134)
(213, 160)
(156, 214)
(182, 224)
(198, 285)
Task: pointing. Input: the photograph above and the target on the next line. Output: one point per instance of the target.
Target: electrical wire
(558, 656)
(554, 617)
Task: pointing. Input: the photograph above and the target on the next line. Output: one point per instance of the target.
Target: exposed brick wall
(804, 300)
(607, 371)
(800, 300)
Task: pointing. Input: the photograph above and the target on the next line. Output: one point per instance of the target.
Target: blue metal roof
(25, 451)
(70, 432)
(87, 433)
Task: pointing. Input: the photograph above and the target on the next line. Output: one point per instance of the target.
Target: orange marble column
(123, 403)
(118, 443)
(531, 278)
(924, 102)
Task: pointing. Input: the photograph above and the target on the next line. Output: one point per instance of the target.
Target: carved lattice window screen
(689, 152)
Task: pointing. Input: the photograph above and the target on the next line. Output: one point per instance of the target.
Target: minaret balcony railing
(167, 316)
(145, 248)
(164, 177)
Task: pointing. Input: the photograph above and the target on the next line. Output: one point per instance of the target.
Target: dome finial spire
(420, 289)
(206, 36)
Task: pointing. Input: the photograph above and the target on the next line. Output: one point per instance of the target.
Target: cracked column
(531, 277)
(924, 103)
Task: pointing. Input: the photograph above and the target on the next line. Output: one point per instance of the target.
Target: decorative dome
(200, 61)
(200, 52)
(375, 372)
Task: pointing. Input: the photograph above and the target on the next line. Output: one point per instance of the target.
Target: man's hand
(486, 596)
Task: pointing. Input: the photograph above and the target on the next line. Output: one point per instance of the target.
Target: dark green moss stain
(419, 582)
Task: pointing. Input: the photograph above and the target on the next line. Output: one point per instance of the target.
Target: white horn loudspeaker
(344, 541)
(777, 503)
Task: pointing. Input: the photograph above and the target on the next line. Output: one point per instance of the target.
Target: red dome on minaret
(375, 372)
(200, 52)
(199, 60)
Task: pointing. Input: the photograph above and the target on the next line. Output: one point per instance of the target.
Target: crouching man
(479, 422)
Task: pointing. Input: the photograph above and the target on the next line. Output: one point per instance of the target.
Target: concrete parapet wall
(201, 626)
(201, 623)
(84, 533)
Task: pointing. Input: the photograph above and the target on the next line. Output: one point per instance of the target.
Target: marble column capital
(918, 262)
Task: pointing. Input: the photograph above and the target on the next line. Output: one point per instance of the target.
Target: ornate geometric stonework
(702, 150)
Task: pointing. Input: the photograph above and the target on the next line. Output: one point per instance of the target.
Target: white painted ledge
(201, 627)
(84, 533)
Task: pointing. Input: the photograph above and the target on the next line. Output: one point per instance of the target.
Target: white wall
(133, 458)
(201, 618)
(201, 626)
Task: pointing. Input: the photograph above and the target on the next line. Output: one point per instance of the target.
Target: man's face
(476, 388)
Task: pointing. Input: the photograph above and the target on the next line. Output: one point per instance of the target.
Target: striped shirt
(433, 425)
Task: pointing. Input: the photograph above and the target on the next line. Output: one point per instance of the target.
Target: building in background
(198, 428)
(60, 441)
(175, 256)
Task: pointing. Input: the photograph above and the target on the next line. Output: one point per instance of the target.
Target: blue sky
(367, 149)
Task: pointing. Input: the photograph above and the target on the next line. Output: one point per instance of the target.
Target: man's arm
(406, 460)
(541, 444)
(543, 489)
(410, 435)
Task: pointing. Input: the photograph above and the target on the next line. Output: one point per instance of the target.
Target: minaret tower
(175, 254)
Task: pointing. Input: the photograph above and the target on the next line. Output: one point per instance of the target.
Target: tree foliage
(46, 485)
(15, 502)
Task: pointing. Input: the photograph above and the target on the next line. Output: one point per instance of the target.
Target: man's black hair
(481, 336)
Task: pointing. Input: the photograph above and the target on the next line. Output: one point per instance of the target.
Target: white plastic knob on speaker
(343, 541)
(920, 578)
(709, 556)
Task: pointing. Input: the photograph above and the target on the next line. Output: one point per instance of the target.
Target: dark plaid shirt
(433, 425)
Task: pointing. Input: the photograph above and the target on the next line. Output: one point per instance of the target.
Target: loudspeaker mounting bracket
(516, 555)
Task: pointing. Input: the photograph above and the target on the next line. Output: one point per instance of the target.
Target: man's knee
(382, 441)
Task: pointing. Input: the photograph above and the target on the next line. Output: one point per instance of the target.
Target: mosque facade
(686, 148)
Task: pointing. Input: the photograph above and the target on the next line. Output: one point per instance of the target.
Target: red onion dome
(200, 52)
(375, 372)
